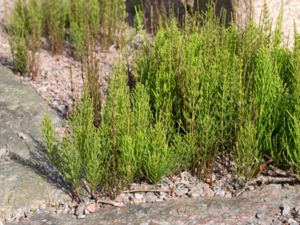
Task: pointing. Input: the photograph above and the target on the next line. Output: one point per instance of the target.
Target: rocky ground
(272, 204)
(32, 193)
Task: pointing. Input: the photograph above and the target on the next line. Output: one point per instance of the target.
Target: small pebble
(126, 199)
(193, 194)
(81, 216)
(138, 196)
(285, 209)
(19, 213)
(208, 192)
(91, 208)
(42, 90)
(79, 211)
(181, 192)
(258, 215)
(292, 222)
(295, 212)
(150, 197)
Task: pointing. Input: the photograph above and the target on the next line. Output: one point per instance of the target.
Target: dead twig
(109, 202)
(282, 173)
(261, 167)
(266, 180)
(146, 190)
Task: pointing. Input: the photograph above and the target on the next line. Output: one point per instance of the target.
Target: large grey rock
(27, 180)
(21, 112)
(24, 189)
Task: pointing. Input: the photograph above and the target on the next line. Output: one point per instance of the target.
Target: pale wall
(291, 14)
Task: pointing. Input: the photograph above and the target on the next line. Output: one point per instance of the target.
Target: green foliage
(183, 151)
(49, 138)
(70, 164)
(293, 145)
(188, 85)
(84, 29)
(64, 156)
(35, 18)
(142, 120)
(201, 91)
(79, 156)
(292, 135)
(77, 27)
(91, 76)
(87, 142)
(19, 54)
(24, 29)
(247, 154)
(16, 22)
(84, 24)
(125, 146)
(158, 156)
(117, 130)
(222, 87)
(266, 25)
(55, 14)
(278, 30)
(138, 19)
(112, 17)
(268, 92)
(61, 20)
